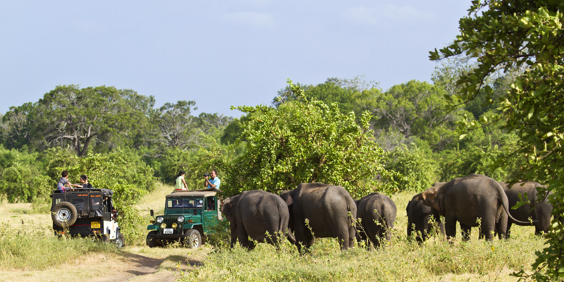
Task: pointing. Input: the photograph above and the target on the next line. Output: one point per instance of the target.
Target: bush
(417, 170)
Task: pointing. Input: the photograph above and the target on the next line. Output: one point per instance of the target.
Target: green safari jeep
(189, 216)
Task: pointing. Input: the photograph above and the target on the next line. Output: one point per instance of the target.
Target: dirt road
(131, 264)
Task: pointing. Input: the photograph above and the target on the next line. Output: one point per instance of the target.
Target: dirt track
(128, 265)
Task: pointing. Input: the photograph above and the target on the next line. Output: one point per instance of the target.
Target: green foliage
(412, 108)
(417, 169)
(524, 37)
(15, 127)
(21, 177)
(306, 141)
(121, 170)
(351, 95)
(69, 115)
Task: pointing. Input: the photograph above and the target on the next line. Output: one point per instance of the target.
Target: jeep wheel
(119, 241)
(151, 241)
(193, 238)
(64, 214)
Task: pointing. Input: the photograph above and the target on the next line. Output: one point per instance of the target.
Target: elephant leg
(508, 233)
(252, 245)
(466, 231)
(380, 235)
(243, 237)
(450, 227)
(352, 232)
(488, 225)
(502, 225)
(300, 234)
(442, 228)
(233, 228)
(542, 224)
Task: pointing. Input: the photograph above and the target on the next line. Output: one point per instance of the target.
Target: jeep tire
(193, 238)
(64, 214)
(151, 240)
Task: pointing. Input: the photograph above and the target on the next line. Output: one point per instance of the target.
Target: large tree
(508, 35)
(77, 117)
(306, 141)
(177, 127)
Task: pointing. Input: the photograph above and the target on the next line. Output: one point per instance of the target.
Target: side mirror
(152, 213)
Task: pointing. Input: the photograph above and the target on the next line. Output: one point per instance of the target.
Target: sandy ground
(131, 264)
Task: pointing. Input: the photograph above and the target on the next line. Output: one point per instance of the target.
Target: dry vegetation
(29, 252)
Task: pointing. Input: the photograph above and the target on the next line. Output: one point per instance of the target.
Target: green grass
(38, 249)
(400, 260)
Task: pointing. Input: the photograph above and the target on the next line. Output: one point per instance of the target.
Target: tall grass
(35, 249)
(398, 260)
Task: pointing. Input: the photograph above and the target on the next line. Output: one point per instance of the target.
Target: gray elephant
(468, 199)
(254, 214)
(540, 212)
(329, 210)
(377, 214)
(421, 216)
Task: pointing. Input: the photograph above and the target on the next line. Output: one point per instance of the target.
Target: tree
(508, 35)
(15, 127)
(351, 95)
(415, 108)
(306, 141)
(177, 127)
(75, 117)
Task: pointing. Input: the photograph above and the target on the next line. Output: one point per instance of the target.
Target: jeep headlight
(160, 219)
(180, 219)
(174, 225)
(163, 226)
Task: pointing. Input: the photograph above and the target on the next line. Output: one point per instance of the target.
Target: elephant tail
(505, 203)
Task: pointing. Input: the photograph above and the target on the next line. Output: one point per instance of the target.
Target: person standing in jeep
(211, 180)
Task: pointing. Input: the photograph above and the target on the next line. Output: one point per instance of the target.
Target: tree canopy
(307, 141)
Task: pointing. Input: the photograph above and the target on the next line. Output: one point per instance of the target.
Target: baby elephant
(420, 217)
(257, 214)
(377, 214)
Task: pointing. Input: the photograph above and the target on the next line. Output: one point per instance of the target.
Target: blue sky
(217, 53)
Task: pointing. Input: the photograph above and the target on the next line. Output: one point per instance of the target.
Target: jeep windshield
(184, 203)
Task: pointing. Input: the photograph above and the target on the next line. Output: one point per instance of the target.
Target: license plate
(167, 231)
(94, 224)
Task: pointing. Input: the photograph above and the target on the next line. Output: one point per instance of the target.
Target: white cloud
(261, 20)
(385, 14)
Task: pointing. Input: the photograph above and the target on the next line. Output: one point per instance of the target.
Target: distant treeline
(411, 123)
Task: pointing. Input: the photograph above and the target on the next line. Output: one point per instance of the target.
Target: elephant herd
(317, 210)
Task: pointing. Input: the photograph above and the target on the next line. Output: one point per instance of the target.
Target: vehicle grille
(170, 221)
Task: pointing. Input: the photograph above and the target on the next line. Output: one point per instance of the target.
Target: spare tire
(64, 214)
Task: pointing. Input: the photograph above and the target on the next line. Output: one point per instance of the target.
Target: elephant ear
(287, 197)
(428, 197)
(227, 208)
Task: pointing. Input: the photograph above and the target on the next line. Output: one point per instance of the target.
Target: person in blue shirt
(212, 182)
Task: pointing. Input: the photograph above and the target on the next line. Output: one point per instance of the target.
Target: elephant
(540, 211)
(468, 199)
(329, 210)
(377, 214)
(254, 214)
(420, 216)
